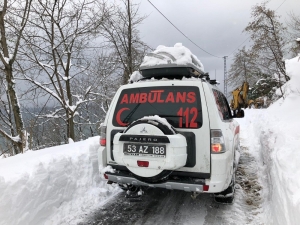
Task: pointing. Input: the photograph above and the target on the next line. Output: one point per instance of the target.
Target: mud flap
(227, 196)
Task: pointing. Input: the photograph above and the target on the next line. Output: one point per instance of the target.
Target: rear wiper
(167, 115)
(127, 118)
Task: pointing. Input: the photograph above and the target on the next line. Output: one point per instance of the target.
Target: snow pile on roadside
(56, 185)
(274, 134)
(280, 141)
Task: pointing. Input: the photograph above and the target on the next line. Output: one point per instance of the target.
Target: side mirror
(238, 114)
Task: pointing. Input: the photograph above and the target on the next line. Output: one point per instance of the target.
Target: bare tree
(123, 36)
(57, 64)
(269, 41)
(244, 68)
(13, 19)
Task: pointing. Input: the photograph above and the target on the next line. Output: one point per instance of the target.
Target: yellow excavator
(240, 99)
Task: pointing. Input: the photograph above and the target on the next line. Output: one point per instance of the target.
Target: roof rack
(170, 72)
(207, 78)
(174, 73)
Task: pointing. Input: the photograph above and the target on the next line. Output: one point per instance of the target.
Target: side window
(218, 102)
(222, 104)
(225, 106)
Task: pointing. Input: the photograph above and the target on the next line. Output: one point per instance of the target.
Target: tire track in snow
(160, 206)
(247, 181)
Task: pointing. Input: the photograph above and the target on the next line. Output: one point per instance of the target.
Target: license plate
(144, 150)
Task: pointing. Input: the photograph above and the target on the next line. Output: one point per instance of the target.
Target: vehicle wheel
(227, 196)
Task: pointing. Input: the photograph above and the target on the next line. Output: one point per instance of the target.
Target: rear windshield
(180, 105)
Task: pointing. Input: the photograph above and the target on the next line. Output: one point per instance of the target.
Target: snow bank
(280, 139)
(274, 136)
(293, 71)
(52, 186)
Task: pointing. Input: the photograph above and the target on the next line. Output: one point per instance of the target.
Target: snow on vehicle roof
(135, 76)
(171, 57)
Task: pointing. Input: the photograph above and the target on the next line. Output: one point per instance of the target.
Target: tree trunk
(71, 133)
(129, 53)
(13, 99)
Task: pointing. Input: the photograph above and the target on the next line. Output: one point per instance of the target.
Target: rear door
(181, 105)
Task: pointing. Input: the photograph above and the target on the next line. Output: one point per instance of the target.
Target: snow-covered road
(159, 206)
(61, 185)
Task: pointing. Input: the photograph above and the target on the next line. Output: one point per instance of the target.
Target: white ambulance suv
(171, 129)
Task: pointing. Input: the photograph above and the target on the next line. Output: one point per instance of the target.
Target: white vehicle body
(187, 160)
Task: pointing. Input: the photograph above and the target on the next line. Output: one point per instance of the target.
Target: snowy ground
(272, 136)
(159, 206)
(61, 185)
(58, 185)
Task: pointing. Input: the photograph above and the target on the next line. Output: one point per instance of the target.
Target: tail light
(217, 141)
(103, 135)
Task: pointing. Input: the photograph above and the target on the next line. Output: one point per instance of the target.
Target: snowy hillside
(273, 135)
(278, 130)
(61, 185)
(56, 185)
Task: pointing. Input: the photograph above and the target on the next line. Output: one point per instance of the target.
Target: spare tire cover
(159, 167)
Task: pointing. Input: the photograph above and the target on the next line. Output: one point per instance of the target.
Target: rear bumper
(170, 185)
(217, 181)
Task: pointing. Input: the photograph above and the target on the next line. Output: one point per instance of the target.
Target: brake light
(102, 142)
(217, 141)
(205, 187)
(103, 135)
(143, 163)
(105, 176)
(216, 147)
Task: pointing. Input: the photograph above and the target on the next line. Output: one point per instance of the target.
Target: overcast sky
(214, 25)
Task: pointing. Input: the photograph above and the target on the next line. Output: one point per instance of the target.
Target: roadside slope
(55, 185)
(273, 136)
